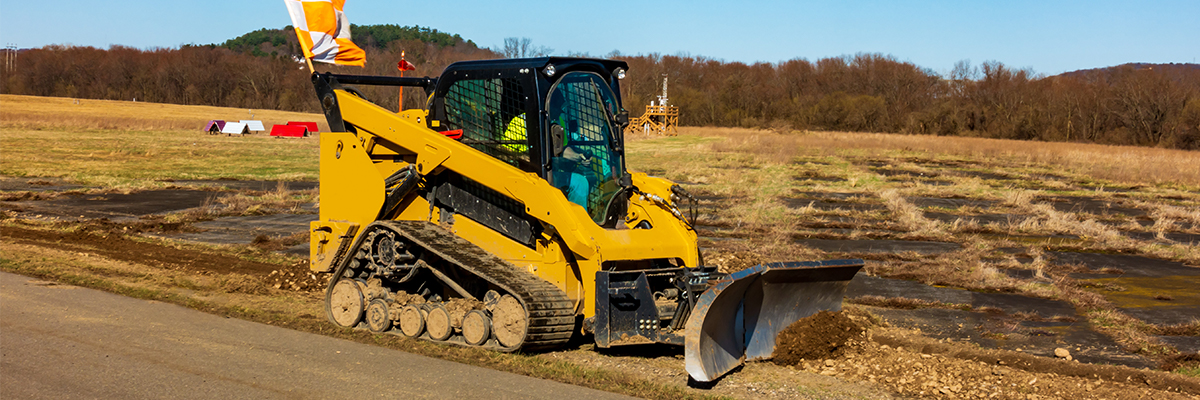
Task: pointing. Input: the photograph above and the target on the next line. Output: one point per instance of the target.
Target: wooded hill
(1139, 104)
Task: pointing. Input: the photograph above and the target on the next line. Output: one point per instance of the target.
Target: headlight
(549, 70)
(620, 73)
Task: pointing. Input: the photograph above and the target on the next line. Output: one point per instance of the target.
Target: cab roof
(564, 63)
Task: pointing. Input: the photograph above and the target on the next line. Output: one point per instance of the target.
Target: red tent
(312, 126)
(289, 130)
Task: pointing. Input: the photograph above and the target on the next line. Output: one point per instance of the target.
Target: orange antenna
(403, 65)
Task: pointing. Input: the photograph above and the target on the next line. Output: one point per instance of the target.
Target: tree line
(261, 69)
(1145, 105)
(1135, 104)
(188, 75)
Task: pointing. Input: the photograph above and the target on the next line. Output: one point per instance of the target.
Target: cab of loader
(559, 118)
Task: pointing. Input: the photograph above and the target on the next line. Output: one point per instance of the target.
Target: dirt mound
(816, 337)
(104, 226)
(119, 247)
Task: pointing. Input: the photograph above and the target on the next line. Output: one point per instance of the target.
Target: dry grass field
(126, 144)
(983, 247)
(1040, 220)
(42, 113)
(1118, 164)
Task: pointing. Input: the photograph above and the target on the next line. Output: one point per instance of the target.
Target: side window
(491, 114)
(587, 169)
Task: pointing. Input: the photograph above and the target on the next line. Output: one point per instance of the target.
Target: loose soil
(816, 337)
(836, 344)
(119, 247)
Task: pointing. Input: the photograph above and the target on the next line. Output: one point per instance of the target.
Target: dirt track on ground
(118, 247)
(110, 240)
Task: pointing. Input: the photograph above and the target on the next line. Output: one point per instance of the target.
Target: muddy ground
(906, 334)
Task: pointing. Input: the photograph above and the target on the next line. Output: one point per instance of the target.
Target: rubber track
(551, 313)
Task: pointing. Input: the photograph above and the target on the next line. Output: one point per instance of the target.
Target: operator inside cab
(586, 167)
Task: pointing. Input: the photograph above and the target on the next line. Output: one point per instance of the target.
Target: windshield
(586, 167)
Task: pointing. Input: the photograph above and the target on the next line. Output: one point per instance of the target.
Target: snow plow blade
(737, 319)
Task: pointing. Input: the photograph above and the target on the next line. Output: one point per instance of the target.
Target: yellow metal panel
(430, 157)
(324, 240)
(351, 188)
(414, 208)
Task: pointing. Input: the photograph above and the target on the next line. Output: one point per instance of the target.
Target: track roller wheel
(509, 321)
(346, 303)
(476, 327)
(412, 323)
(377, 316)
(438, 324)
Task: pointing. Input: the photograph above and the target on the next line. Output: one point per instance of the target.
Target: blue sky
(1047, 36)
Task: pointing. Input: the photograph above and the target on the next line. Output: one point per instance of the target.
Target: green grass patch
(1193, 371)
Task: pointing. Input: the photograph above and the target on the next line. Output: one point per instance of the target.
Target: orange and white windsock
(324, 32)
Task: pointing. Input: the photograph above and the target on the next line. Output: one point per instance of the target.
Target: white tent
(253, 125)
(235, 128)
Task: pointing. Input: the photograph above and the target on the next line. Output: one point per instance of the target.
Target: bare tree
(523, 47)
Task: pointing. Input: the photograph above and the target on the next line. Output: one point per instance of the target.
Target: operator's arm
(570, 154)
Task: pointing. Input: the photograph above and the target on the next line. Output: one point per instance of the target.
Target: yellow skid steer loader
(502, 216)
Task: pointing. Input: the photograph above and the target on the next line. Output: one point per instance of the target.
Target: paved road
(67, 342)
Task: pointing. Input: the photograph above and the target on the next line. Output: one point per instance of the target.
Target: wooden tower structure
(659, 119)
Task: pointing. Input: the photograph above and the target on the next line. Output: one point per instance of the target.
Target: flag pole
(310, 65)
(400, 66)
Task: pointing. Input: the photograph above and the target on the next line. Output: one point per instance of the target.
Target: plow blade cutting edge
(738, 318)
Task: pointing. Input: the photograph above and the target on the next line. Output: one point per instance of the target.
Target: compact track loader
(502, 216)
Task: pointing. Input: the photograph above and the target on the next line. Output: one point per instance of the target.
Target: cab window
(585, 166)
(491, 114)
